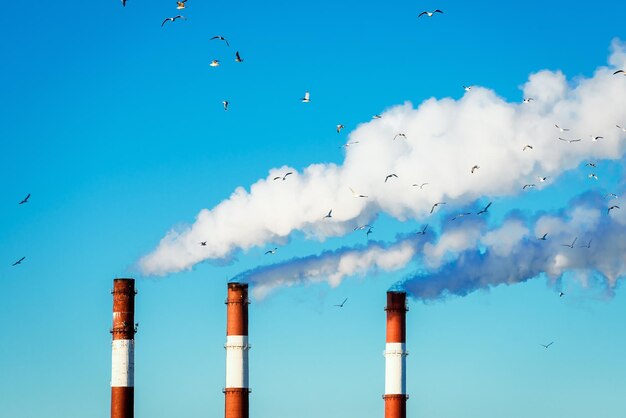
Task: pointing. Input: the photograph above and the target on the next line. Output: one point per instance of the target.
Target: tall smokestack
(236, 391)
(395, 356)
(123, 349)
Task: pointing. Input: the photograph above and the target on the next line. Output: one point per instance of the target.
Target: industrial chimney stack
(395, 356)
(236, 390)
(123, 349)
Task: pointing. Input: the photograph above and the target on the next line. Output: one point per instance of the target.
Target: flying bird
(172, 19)
(181, 4)
(283, 177)
(355, 194)
(221, 38)
(561, 129)
(611, 195)
(485, 209)
(360, 228)
(529, 186)
(341, 304)
(376, 117)
(330, 214)
(543, 238)
(25, 200)
(569, 140)
(595, 138)
(340, 127)
(306, 98)
(460, 215)
(593, 176)
(528, 99)
(570, 245)
(586, 246)
(476, 167)
(238, 57)
(623, 128)
(546, 346)
(18, 262)
(423, 231)
(590, 165)
(399, 135)
(348, 144)
(527, 147)
(389, 176)
(435, 205)
(429, 14)
(215, 63)
(619, 71)
(369, 231)
(225, 103)
(467, 88)
(561, 294)
(273, 251)
(420, 185)
(611, 208)
(123, 3)
(542, 179)
(203, 243)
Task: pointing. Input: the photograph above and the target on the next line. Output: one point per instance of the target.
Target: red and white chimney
(395, 356)
(236, 390)
(123, 349)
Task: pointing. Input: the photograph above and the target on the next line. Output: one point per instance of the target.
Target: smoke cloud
(445, 138)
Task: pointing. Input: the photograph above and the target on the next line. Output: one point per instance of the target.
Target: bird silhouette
(342, 303)
(18, 262)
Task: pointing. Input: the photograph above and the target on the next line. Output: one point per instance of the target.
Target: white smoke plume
(445, 138)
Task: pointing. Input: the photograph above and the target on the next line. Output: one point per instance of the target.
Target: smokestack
(123, 349)
(395, 356)
(236, 391)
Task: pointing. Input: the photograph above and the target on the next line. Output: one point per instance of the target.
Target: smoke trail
(444, 139)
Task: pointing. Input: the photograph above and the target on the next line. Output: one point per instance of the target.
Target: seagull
(215, 63)
(329, 215)
(593, 176)
(25, 200)
(225, 103)
(590, 165)
(221, 38)
(340, 127)
(369, 231)
(306, 98)
(355, 194)
(283, 177)
(348, 144)
(203, 243)
(586, 246)
(435, 205)
(561, 129)
(271, 251)
(421, 186)
(528, 185)
(561, 294)
(546, 346)
(389, 176)
(612, 207)
(341, 304)
(569, 140)
(399, 135)
(619, 71)
(485, 209)
(476, 167)
(180, 4)
(611, 195)
(623, 128)
(467, 88)
(528, 99)
(376, 117)
(460, 215)
(237, 57)
(542, 179)
(171, 19)
(527, 147)
(595, 138)
(423, 231)
(360, 228)
(429, 14)
(570, 245)
(543, 238)
(123, 3)
(18, 261)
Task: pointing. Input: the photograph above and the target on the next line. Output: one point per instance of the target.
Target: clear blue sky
(115, 126)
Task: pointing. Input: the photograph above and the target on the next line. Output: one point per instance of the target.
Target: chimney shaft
(123, 349)
(236, 390)
(395, 356)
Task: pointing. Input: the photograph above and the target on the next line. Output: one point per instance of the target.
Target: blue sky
(116, 128)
